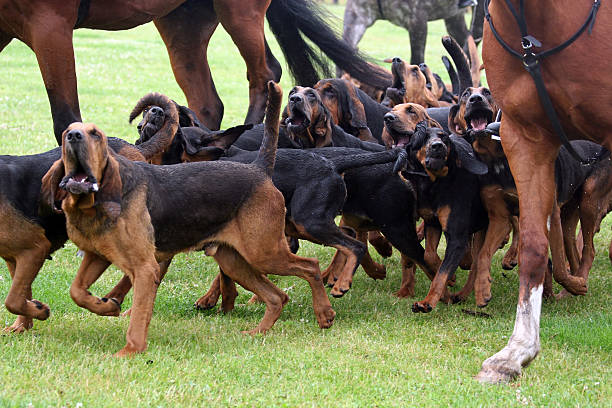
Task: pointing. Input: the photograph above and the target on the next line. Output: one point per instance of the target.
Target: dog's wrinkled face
(475, 110)
(307, 120)
(84, 154)
(409, 85)
(432, 149)
(153, 118)
(401, 122)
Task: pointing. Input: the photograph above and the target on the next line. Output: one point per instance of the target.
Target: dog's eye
(292, 91)
(486, 92)
(94, 133)
(329, 92)
(466, 93)
(311, 95)
(409, 109)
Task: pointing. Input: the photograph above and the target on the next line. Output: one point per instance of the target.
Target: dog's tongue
(479, 123)
(78, 184)
(402, 141)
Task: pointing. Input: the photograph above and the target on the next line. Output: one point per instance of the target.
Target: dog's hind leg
(408, 278)
(511, 257)
(255, 281)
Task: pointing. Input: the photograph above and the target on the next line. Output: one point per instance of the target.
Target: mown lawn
(378, 353)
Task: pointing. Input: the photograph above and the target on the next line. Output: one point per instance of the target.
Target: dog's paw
(206, 302)
(404, 293)
(40, 311)
(21, 325)
(325, 317)
(421, 307)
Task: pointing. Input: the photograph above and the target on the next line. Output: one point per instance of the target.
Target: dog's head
(438, 153)
(306, 118)
(340, 98)
(201, 144)
(409, 85)
(475, 110)
(401, 122)
(87, 173)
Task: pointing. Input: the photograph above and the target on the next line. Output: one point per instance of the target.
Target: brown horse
(186, 27)
(578, 81)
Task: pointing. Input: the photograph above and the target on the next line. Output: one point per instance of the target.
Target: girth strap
(83, 12)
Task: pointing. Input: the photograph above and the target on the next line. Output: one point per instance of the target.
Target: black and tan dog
(136, 215)
(444, 171)
(31, 231)
(310, 124)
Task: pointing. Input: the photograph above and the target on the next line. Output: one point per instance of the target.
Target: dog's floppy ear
(187, 117)
(51, 195)
(453, 125)
(353, 105)
(466, 158)
(110, 193)
(226, 138)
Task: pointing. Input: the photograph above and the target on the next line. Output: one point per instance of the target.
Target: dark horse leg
(418, 37)
(456, 28)
(49, 35)
(186, 32)
(244, 22)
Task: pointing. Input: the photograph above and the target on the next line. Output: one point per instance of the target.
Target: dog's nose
(475, 98)
(390, 117)
(296, 98)
(422, 65)
(437, 147)
(156, 110)
(74, 135)
(396, 59)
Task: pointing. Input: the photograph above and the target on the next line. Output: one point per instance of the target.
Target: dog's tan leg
(228, 293)
(373, 269)
(574, 284)
(345, 281)
(146, 281)
(239, 270)
(408, 278)
(22, 323)
(382, 245)
(511, 257)
(26, 266)
(210, 298)
(476, 248)
(90, 270)
(332, 273)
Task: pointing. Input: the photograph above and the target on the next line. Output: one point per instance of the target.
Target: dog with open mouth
(401, 122)
(409, 84)
(309, 123)
(444, 172)
(137, 215)
(475, 110)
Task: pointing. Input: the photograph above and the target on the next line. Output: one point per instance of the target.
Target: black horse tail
(461, 63)
(289, 19)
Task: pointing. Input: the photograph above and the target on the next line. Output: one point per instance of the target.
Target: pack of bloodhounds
(402, 157)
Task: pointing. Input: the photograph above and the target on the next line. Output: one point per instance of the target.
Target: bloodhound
(136, 215)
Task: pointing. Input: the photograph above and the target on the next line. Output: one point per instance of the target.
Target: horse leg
(356, 21)
(244, 22)
(186, 32)
(456, 28)
(531, 156)
(50, 37)
(5, 39)
(418, 37)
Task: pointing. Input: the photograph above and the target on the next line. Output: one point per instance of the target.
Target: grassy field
(378, 353)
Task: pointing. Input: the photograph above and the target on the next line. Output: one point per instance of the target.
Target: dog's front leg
(90, 270)
(145, 278)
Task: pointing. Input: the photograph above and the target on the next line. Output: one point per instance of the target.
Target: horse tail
(162, 139)
(267, 151)
(461, 63)
(289, 19)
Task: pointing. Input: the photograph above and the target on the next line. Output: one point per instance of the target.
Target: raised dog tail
(344, 163)
(452, 74)
(162, 139)
(289, 19)
(461, 63)
(267, 152)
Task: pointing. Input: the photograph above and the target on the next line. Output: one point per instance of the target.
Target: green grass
(378, 353)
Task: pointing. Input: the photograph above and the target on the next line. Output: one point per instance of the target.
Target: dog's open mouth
(80, 181)
(478, 119)
(297, 121)
(435, 164)
(400, 138)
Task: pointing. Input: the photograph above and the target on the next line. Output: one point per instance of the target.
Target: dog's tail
(344, 163)
(452, 74)
(474, 60)
(461, 63)
(267, 152)
(289, 19)
(162, 139)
